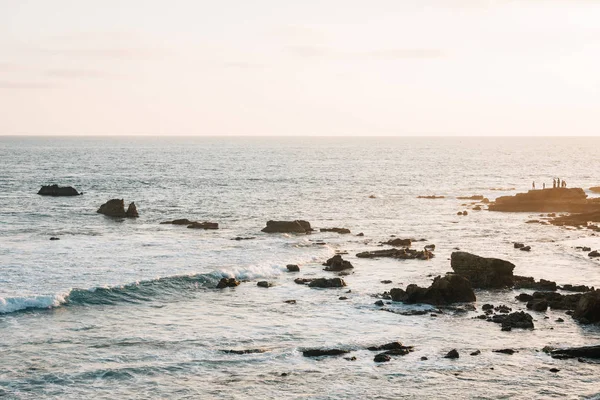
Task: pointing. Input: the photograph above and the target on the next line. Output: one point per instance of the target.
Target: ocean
(128, 308)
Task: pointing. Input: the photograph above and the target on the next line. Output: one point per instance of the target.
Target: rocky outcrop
(297, 226)
(116, 208)
(474, 197)
(327, 283)
(483, 273)
(576, 288)
(403, 254)
(528, 282)
(516, 320)
(336, 263)
(227, 282)
(582, 219)
(595, 189)
(55, 190)
(324, 352)
(547, 200)
(182, 221)
(577, 352)
(588, 308)
(447, 289)
(203, 225)
(398, 242)
(292, 268)
(555, 301)
(341, 231)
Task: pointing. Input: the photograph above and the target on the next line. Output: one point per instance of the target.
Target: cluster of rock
(337, 263)
(522, 247)
(55, 190)
(321, 282)
(195, 224)
(297, 226)
(116, 208)
(397, 242)
(548, 200)
(448, 289)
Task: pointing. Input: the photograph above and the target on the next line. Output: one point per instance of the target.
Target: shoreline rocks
(324, 352)
(398, 242)
(58, 191)
(483, 273)
(116, 208)
(447, 289)
(297, 226)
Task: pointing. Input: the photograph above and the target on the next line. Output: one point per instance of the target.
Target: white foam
(12, 304)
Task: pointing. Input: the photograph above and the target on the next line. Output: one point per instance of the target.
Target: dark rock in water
(527, 282)
(555, 370)
(424, 358)
(243, 238)
(431, 197)
(382, 358)
(341, 231)
(360, 234)
(584, 248)
(55, 190)
(576, 352)
(475, 353)
(350, 358)
(430, 247)
(327, 283)
(525, 248)
(264, 284)
(290, 301)
(342, 298)
(483, 272)
(524, 297)
(519, 245)
(518, 320)
(399, 242)
(477, 208)
(588, 308)
(503, 309)
(448, 289)
(474, 197)
(303, 281)
(292, 268)
(324, 352)
(594, 253)
(54, 238)
(248, 351)
(379, 303)
(560, 320)
(506, 351)
(298, 226)
(390, 346)
(537, 305)
(548, 200)
(558, 301)
(487, 307)
(181, 221)
(116, 208)
(227, 282)
(576, 288)
(403, 254)
(336, 263)
(386, 281)
(203, 225)
(452, 354)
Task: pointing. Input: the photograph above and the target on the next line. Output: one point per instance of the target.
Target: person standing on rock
(544, 185)
(557, 182)
(533, 185)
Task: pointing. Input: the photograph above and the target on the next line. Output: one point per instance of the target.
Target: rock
(431, 197)
(116, 208)
(54, 238)
(483, 272)
(324, 352)
(580, 219)
(527, 282)
(576, 288)
(510, 352)
(298, 226)
(379, 303)
(424, 358)
(338, 230)
(336, 263)
(248, 351)
(519, 245)
(524, 297)
(503, 309)
(203, 225)
(386, 281)
(594, 253)
(182, 221)
(475, 353)
(595, 189)
(560, 320)
(327, 283)
(487, 307)
(360, 234)
(558, 301)
(403, 254)
(477, 208)
(474, 197)
(520, 320)
(290, 301)
(292, 268)
(452, 354)
(382, 358)
(55, 190)
(264, 284)
(390, 346)
(555, 370)
(576, 352)
(583, 248)
(548, 200)
(243, 238)
(537, 305)
(588, 308)
(430, 247)
(448, 289)
(303, 281)
(525, 248)
(398, 242)
(227, 282)
(459, 213)
(342, 298)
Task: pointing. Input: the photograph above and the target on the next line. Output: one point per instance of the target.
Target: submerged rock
(182, 221)
(54, 238)
(398, 242)
(245, 351)
(403, 254)
(203, 225)
(341, 231)
(483, 273)
(55, 191)
(264, 284)
(336, 263)
(116, 208)
(327, 283)
(431, 197)
(510, 352)
(324, 352)
(227, 282)
(382, 358)
(576, 352)
(447, 289)
(518, 320)
(452, 354)
(297, 226)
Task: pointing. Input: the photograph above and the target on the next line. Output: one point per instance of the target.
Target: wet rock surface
(327, 283)
(116, 208)
(297, 226)
(483, 273)
(342, 231)
(227, 282)
(447, 289)
(58, 191)
(337, 263)
(587, 310)
(576, 352)
(402, 254)
(515, 320)
(546, 200)
(324, 352)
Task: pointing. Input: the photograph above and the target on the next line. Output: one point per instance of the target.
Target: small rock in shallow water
(387, 281)
(342, 298)
(227, 282)
(476, 353)
(555, 370)
(350, 358)
(452, 354)
(560, 320)
(264, 284)
(379, 303)
(290, 301)
(324, 352)
(292, 268)
(506, 351)
(54, 238)
(424, 358)
(382, 358)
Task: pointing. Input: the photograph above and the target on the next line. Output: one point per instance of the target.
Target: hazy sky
(311, 67)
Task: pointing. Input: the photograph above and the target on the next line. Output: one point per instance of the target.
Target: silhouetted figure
(564, 183)
(544, 185)
(533, 185)
(554, 183)
(557, 182)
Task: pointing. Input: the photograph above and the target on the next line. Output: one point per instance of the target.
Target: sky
(311, 67)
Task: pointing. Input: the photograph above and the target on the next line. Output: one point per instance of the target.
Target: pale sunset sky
(276, 67)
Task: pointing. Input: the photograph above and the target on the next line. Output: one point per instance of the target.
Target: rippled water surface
(128, 309)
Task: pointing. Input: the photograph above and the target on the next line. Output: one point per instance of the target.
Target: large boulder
(116, 208)
(297, 226)
(588, 308)
(483, 273)
(55, 190)
(447, 289)
(337, 263)
(519, 320)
